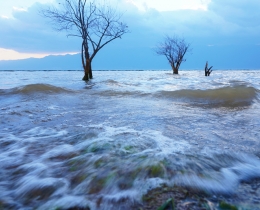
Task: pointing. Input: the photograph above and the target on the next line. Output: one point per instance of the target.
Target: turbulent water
(103, 144)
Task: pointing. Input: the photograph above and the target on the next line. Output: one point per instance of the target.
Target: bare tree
(208, 70)
(174, 48)
(97, 25)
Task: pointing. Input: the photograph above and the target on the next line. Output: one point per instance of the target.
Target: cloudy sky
(224, 32)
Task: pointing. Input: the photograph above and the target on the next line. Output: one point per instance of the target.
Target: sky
(224, 32)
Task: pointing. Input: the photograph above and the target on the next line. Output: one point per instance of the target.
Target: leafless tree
(174, 48)
(96, 24)
(208, 70)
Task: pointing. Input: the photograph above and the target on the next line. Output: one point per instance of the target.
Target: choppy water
(105, 143)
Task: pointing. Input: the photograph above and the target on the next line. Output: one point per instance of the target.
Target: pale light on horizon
(8, 54)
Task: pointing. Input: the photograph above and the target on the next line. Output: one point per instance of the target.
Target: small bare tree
(174, 48)
(208, 70)
(97, 25)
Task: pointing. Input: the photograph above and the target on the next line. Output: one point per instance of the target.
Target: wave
(227, 96)
(34, 88)
(112, 82)
(230, 171)
(116, 93)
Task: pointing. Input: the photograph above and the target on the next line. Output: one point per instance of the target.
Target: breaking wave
(34, 88)
(116, 93)
(226, 96)
(232, 169)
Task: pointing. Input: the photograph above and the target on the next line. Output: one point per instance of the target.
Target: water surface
(105, 143)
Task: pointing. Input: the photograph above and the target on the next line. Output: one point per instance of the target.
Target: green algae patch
(168, 204)
(156, 170)
(99, 163)
(98, 183)
(175, 197)
(72, 208)
(96, 148)
(78, 178)
(76, 164)
(143, 157)
(181, 198)
(128, 148)
(225, 206)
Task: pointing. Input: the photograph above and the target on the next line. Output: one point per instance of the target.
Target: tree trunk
(175, 70)
(90, 71)
(206, 69)
(86, 76)
(86, 61)
(87, 71)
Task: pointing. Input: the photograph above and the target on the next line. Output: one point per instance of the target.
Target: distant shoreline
(142, 70)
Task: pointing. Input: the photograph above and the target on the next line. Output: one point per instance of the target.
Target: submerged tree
(174, 48)
(208, 70)
(97, 25)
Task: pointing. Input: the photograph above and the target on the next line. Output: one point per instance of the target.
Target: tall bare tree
(96, 24)
(174, 48)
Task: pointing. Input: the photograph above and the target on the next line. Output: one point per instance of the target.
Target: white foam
(37, 133)
(227, 179)
(68, 201)
(167, 145)
(65, 150)
(222, 183)
(53, 107)
(43, 152)
(29, 184)
(248, 168)
(34, 168)
(163, 143)
(12, 157)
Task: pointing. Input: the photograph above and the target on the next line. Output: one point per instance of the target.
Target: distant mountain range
(66, 62)
(103, 61)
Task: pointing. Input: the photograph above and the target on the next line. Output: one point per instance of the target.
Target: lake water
(67, 143)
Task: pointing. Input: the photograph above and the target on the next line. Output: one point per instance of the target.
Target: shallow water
(105, 143)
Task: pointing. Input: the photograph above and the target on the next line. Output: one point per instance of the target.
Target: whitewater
(103, 144)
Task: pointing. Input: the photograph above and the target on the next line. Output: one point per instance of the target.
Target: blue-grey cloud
(29, 32)
(244, 13)
(225, 26)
